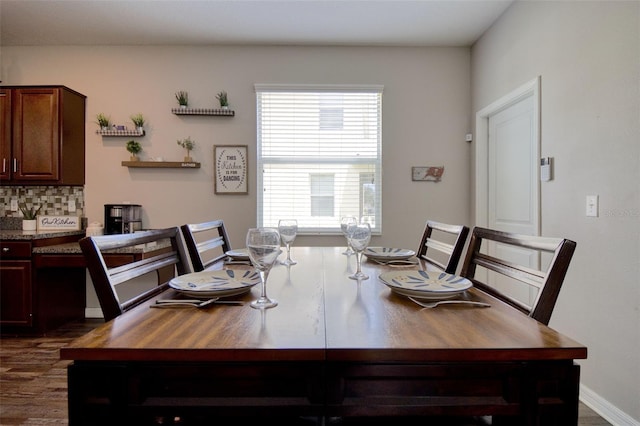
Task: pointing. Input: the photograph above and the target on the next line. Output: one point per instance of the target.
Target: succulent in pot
(103, 121)
(223, 99)
(183, 98)
(134, 148)
(187, 144)
(138, 121)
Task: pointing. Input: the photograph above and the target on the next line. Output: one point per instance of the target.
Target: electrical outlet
(14, 205)
(72, 206)
(592, 206)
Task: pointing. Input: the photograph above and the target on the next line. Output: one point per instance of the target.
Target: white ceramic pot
(95, 228)
(29, 225)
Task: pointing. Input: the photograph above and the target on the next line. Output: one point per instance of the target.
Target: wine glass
(345, 222)
(359, 237)
(263, 245)
(288, 229)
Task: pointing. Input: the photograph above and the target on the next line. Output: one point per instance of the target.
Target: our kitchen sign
(58, 223)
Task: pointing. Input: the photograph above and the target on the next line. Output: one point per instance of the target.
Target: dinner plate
(432, 285)
(239, 254)
(386, 253)
(220, 283)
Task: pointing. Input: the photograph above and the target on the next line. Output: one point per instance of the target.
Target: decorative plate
(239, 254)
(426, 284)
(385, 253)
(221, 283)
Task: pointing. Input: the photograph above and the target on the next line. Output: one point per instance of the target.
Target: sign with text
(58, 223)
(230, 169)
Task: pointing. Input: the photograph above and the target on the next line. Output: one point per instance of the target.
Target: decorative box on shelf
(120, 132)
(204, 111)
(162, 164)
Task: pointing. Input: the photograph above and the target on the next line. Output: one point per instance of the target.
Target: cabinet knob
(5, 249)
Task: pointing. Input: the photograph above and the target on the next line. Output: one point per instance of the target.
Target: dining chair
(445, 251)
(116, 261)
(532, 290)
(206, 243)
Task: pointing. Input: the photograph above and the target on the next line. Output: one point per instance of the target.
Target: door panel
(36, 134)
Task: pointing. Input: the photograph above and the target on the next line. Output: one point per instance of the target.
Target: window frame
(370, 162)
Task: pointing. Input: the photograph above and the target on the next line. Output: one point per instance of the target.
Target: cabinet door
(36, 134)
(15, 293)
(5, 134)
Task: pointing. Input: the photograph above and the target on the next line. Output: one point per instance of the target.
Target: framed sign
(427, 173)
(230, 169)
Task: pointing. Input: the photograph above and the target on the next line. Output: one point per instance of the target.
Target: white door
(508, 189)
(512, 154)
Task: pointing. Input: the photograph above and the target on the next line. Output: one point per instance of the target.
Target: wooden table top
(322, 314)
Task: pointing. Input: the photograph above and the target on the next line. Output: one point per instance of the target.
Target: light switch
(72, 206)
(14, 205)
(592, 205)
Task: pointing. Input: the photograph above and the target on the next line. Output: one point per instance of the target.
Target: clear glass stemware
(263, 245)
(359, 237)
(288, 229)
(345, 222)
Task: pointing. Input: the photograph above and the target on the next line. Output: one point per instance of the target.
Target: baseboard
(93, 313)
(605, 409)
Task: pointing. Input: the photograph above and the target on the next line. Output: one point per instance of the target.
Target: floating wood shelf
(204, 111)
(162, 164)
(120, 132)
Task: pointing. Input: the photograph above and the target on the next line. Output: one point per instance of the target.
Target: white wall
(425, 118)
(588, 57)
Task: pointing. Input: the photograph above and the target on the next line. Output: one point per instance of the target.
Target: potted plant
(103, 121)
(187, 144)
(183, 98)
(29, 222)
(138, 121)
(222, 98)
(134, 148)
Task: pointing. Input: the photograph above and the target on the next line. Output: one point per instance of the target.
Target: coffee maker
(122, 218)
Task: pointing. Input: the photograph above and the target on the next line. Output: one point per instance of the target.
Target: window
(322, 199)
(319, 155)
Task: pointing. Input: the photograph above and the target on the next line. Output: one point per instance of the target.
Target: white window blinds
(319, 155)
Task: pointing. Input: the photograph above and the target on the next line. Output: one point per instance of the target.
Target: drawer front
(15, 249)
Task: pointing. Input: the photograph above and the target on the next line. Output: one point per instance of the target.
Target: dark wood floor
(33, 379)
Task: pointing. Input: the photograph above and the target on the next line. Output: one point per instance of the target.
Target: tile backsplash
(53, 199)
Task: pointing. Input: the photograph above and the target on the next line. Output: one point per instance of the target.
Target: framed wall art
(230, 166)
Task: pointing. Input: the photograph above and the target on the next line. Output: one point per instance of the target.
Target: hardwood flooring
(33, 379)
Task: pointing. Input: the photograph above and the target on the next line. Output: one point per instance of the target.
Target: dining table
(334, 348)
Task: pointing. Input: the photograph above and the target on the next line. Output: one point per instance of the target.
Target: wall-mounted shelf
(162, 164)
(204, 111)
(120, 132)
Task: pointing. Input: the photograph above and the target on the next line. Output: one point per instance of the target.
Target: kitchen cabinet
(43, 136)
(34, 296)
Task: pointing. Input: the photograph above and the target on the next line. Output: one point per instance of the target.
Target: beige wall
(425, 118)
(588, 57)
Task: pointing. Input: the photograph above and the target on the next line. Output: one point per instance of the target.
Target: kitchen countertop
(20, 235)
(67, 248)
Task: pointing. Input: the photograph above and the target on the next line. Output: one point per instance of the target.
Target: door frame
(531, 88)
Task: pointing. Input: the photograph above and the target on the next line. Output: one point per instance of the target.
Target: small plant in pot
(134, 148)
(29, 222)
(103, 121)
(183, 98)
(138, 121)
(222, 98)
(187, 144)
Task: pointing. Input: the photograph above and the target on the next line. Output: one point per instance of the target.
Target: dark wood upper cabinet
(43, 136)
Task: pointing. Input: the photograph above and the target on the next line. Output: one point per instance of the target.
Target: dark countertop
(74, 248)
(67, 248)
(20, 235)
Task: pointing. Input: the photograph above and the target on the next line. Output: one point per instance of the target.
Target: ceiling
(275, 22)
